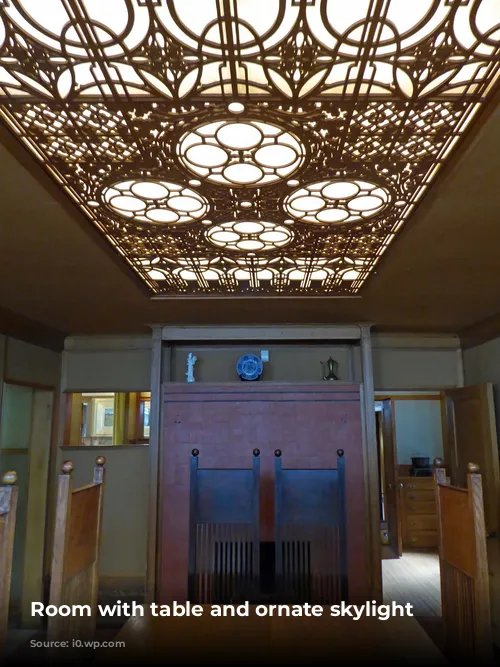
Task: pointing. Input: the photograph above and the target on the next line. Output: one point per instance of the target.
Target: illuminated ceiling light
(155, 201)
(339, 201)
(252, 236)
(329, 113)
(198, 269)
(236, 107)
(354, 271)
(157, 275)
(241, 153)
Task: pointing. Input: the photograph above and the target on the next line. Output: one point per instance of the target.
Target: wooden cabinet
(418, 512)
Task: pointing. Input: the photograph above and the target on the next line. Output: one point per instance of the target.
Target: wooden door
(471, 436)
(390, 481)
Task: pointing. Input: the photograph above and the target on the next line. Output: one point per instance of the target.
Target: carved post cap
(9, 478)
(195, 452)
(100, 461)
(256, 452)
(340, 453)
(67, 468)
(472, 468)
(438, 462)
(277, 452)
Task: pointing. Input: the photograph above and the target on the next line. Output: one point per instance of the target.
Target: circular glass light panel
(337, 201)
(241, 153)
(252, 236)
(148, 200)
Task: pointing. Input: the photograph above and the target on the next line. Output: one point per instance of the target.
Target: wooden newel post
(63, 510)
(439, 471)
(8, 507)
(482, 617)
(99, 470)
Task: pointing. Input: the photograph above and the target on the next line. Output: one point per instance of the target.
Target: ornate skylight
(246, 147)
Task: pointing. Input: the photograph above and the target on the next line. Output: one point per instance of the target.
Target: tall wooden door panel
(471, 436)
(225, 422)
(391, 489)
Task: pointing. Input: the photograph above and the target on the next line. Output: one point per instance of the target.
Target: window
(107, 418)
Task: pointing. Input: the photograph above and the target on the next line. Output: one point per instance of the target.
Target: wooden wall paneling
(465, 585)
(460, 368)
(36, 511)
(8, 507)
(371, 466)
(63, 509)
(75, 558)
(154, 464)
(225, 422)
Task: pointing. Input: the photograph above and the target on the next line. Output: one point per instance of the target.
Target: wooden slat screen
(310, 526)
(224, 547)
(464, 568)
(75, 555)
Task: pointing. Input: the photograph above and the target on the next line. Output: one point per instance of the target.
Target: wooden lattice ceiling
(246, 146)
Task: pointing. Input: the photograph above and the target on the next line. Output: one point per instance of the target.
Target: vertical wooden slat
(342, 523)
(482, 616)
(8, 508)
(99, 479)
(155, 421)
(464, 567)
(256, 524)
(281, 547)
(61, 532)
(193, 496)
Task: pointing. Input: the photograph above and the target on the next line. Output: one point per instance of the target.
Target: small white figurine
(191, 360)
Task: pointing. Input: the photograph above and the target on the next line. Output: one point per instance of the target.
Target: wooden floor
(413, 578)
(280, 641)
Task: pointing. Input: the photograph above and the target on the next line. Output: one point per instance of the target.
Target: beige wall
(23, 362)
(125, 509)
(415, 362)
(482, 364)
(400, 362)
(94, 363)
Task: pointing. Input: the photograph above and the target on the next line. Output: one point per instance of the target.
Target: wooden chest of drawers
(418, 512)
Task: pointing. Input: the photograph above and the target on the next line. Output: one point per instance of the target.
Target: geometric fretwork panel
(244, 148)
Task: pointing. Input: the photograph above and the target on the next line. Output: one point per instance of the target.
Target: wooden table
(249, 639)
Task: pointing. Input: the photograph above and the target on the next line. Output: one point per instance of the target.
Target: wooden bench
(8, 507)
(465, 594)
(75, 556)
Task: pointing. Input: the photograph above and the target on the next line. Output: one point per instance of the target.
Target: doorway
(410, 432)
(390, 528)
(25, 438)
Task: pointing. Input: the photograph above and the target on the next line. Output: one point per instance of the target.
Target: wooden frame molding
(154, 462)
(261, 332)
